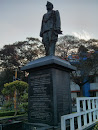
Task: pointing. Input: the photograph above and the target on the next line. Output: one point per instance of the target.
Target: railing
(86, 115)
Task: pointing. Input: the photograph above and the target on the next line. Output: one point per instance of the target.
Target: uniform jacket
(50, 21)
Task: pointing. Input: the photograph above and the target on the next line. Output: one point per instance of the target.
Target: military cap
(49, 3)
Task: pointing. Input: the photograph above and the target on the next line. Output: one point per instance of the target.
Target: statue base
(49, 90)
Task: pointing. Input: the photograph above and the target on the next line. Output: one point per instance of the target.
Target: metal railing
(86, 115)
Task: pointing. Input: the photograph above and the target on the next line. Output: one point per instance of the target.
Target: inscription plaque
(40, 97)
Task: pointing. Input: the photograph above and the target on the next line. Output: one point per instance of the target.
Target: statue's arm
(41, 31)
(58, 21)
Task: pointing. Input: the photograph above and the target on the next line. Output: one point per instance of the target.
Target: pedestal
(49, 90)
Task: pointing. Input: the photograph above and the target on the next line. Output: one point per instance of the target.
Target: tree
(8, 57)
(86, 51)
(19, 87)
(20, 53)
(87, 65)
(66, 44)
(24, 102)
(6, 76)
(15, 56)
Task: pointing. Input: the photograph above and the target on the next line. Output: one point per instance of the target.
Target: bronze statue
(50, 28)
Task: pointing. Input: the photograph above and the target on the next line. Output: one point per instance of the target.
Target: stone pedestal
(49, 90)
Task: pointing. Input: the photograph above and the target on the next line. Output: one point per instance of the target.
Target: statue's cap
(49, 3)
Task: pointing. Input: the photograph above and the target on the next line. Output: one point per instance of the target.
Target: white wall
(93, 86)
(96, 79)
(74, 86)
(74, 95)
(96, 94)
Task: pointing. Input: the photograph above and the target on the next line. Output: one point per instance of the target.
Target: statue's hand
(59, 31)
(41, 35)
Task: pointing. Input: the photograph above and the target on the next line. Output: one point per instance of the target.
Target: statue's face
(49, 7)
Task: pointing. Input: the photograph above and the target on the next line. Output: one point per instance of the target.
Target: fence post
(84, 116)
(78, 105)
(97, 107)
(79, 122)
(93, 106)
(72, 124)
(63, 123)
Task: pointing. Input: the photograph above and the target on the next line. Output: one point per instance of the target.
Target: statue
(50, 28)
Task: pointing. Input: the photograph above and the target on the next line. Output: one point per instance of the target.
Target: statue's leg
(52, 42)
(52, 48)
(46, 43)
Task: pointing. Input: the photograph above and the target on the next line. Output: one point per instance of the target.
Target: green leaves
(20, 86)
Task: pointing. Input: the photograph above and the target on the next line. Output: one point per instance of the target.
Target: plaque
(40, 97)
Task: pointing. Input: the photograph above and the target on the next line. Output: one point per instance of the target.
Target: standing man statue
(50, 28)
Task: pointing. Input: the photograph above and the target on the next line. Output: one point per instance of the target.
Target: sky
(20, 19)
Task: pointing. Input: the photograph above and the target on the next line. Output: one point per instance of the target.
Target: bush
(8, 105)
(7, 113)
(10, 113)
(96, 127)
(24, 106)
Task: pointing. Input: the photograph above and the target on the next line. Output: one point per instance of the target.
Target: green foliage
(24, 97)
(24, 102)
(9, 113)
(21, 88)
(6, 76)
(8, 105)
(24, 106)
(96, 127)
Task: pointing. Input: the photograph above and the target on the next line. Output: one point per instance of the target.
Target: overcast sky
(20, 19)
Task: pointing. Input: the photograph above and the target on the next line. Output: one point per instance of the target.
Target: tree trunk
(81, 91)
(15, 112)
(15, 102)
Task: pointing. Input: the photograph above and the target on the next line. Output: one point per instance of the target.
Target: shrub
(24, 106)
(96, 127)
(8, 105)
(9, 113)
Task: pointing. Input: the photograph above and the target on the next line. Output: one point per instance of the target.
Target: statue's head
(49, 5)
